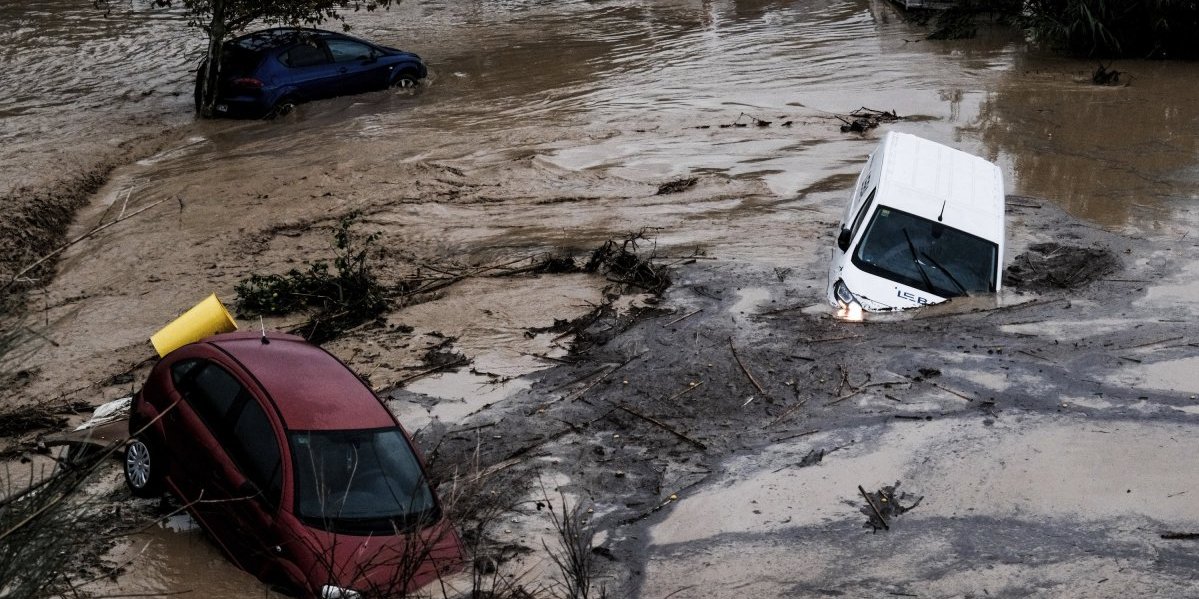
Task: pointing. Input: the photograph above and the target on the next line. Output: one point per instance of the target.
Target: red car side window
(180, 372)
(212, 395)
(255, 450)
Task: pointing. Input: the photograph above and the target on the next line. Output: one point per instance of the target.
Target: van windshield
(926, 254)
(360, 482)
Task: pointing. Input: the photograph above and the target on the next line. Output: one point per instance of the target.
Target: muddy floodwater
(1051, 447)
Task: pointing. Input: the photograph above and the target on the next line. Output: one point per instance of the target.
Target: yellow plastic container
(205, 319)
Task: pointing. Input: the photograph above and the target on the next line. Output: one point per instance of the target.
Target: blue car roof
(268, 39)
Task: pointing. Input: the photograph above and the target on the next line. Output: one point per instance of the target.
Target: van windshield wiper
(928, 284)
(948, 274)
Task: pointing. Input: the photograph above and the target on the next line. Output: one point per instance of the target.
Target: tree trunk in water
(212, 64)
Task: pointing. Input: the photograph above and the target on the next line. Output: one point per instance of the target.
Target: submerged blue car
(266, 73)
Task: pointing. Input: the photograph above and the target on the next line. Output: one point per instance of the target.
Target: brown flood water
(543, 126)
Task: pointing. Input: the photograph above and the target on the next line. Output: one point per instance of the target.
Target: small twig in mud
(874, 508)
(580, 379)
(690, 387)
(845, 397)
(856, 390)
(746, 370)
(1140, 345)
(951, 391)
(796, 436)
(678, 590)
(671, 499)
(786, 309)
(828, 339)
(548, 358)
(606, 375)
(521, 451)
(662, 425)
(1180, 536)
(584, 390)
(72, 242)
(1029, 353)
(428, 371)
(683, 317)
(791, 410)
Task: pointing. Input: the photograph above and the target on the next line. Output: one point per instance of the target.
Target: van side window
(255, 450)
(857, 222)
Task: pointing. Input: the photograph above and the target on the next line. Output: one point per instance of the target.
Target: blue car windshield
(926, 254)
(361, 481)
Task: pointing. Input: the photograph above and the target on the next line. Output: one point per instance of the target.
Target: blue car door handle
(342, 70)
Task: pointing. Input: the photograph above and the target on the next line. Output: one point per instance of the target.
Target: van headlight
(844, 295)
(335, 592)
(850, 308)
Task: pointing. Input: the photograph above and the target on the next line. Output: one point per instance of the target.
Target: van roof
(931, 180)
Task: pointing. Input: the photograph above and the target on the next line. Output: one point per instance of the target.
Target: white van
(924, 224)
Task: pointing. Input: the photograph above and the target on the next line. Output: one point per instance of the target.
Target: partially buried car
(266, 73)
(295, 468)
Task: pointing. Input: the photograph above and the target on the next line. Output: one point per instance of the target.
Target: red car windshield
(360, 482)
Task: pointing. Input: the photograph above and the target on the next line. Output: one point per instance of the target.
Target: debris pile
(1105, 76)
(677, 186)
(21, 419)
(621, 262)
(884, 505)
(1053, 265)
(865, 119)
(339, 298)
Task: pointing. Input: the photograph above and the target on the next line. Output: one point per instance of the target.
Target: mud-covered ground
(719, 433)
(1048, 456)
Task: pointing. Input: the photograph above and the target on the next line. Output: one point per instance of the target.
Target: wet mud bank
(35, 218)
(734, 420)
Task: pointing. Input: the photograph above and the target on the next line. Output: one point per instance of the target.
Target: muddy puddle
(548, 128)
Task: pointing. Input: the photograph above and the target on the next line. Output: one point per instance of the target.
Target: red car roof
(311, 388)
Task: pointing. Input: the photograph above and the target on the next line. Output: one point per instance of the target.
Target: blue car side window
(304, 55)
(347, 51)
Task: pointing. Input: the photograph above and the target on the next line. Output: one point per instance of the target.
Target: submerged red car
(296, 469)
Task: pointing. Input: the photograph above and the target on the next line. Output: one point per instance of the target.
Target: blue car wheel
(282, 108)
(405, 80)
